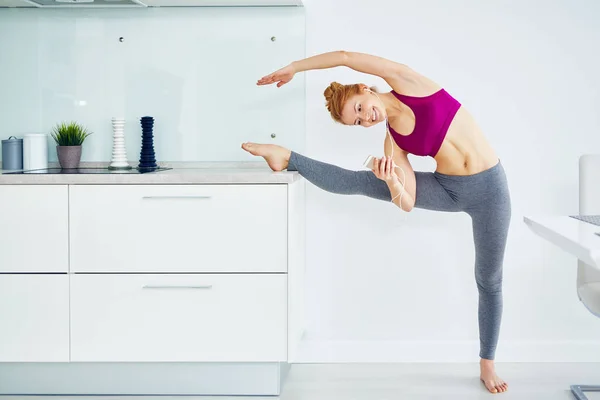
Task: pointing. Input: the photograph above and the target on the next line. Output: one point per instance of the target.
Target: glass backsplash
(193, 69)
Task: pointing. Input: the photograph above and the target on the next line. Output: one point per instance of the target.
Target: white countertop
(571, 235)
(182, 173)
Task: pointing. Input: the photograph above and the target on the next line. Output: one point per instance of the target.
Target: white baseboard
(323, 351)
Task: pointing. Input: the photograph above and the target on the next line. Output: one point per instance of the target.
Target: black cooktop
(88, 170)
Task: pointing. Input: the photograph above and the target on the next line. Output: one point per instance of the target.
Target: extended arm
(360, 62)
(400, 77)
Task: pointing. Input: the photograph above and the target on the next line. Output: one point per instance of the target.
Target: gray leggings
(483, 196)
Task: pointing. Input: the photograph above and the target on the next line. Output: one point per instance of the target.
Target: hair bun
(336, 96)
(331, 89)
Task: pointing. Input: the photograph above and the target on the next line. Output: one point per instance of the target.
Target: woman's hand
(383, 168)
(282, 76)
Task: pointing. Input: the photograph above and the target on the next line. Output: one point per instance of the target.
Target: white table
(578, 238)
(572, 235)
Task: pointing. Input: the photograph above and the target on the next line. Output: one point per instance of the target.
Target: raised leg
(334, 179)
(430, 195)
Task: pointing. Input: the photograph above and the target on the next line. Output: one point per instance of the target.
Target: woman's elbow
(410, 203)
(406, 205)
(343, 56)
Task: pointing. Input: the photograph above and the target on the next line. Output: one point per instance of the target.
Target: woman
(424, 120)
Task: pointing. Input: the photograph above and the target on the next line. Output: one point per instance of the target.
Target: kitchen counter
(182, 173)
(118, 269)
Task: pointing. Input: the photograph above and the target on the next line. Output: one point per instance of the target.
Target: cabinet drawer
(206, 317)
(34, 318)
(34, 228)
(195, 228)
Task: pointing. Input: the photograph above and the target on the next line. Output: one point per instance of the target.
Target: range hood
(145, 3)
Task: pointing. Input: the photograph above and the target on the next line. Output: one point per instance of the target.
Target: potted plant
(69, 137)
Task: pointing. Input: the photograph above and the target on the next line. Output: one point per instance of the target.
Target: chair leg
(578, 391)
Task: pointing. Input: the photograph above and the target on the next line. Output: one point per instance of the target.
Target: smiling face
(363, 109)
(354, 105)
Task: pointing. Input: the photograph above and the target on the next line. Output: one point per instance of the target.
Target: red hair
(337, 94)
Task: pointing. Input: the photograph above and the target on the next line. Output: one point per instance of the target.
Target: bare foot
(276, 156)
(489, 378)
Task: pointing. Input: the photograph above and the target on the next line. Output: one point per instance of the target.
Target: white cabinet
(201, 318)
(178, 228)
(34, 318)
(34, 228)
(200, 281)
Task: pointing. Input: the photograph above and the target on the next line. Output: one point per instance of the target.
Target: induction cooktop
(89, 170)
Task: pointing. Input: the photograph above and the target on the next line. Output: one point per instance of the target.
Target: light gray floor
(544, 381)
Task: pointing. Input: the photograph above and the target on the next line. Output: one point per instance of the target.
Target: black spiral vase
(147, 156)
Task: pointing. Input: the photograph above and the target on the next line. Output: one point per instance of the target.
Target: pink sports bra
(433, 115)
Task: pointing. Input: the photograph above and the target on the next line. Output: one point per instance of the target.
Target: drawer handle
(176, 287)
(175, 197)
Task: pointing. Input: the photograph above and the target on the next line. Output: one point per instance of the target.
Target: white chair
(588, 277)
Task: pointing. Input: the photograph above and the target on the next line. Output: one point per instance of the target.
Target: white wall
(387, 286)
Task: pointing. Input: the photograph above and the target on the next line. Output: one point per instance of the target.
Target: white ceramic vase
(119, 154)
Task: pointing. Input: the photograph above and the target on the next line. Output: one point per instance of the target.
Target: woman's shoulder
(409, 82)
